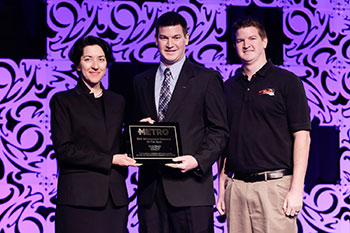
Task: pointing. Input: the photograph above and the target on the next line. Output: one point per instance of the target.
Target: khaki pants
(257, 207)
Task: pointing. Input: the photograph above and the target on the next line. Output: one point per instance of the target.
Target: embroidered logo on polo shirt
(267, 91)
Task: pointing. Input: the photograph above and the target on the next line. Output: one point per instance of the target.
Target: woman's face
(92, 65)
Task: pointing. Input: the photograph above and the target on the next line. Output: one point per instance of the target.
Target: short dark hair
(76, 51)
(171, 19)
(248, 21)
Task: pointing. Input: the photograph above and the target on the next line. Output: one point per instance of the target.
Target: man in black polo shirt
(262, 181)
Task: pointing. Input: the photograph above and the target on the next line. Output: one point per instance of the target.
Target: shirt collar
(264, 70)
(83, 89)
(261, 73)
(174, 68)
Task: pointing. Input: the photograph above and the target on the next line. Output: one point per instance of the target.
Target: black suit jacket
(198, 105)
(85, 139)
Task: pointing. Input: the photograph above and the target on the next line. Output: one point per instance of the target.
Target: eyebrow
(92, 56)
(239, 38)
(171, 36)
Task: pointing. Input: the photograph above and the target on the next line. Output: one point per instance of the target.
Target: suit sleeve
(136, 116)
(216, 135)
(68, 153)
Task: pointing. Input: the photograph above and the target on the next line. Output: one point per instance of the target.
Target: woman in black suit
(86, 125)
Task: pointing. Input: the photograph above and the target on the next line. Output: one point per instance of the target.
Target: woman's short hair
(76, 51)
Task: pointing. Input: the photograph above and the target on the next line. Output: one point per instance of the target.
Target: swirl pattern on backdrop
(318, 52)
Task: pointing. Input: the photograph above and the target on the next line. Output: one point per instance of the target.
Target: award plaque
(158, 141)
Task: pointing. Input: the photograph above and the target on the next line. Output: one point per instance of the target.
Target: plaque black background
(139, 146)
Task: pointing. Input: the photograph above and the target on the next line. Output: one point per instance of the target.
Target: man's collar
(176, 66)
(261, 72)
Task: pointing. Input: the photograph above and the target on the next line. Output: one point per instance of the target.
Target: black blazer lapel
(182, 88)
(148, 93)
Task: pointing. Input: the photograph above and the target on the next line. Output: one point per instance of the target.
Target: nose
(245, 44)
(95, 64)
(169, 43)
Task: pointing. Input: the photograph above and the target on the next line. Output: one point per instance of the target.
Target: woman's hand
(124, 160)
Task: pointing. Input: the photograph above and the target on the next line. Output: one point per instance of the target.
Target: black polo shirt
(263, 114)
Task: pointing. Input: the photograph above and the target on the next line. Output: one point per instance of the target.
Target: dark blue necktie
(165, 95)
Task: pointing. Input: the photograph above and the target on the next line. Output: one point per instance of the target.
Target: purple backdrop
(318, 52)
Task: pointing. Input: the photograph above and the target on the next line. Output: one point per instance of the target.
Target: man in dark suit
(178, 196)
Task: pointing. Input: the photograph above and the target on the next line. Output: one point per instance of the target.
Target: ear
(187, 38)
(78, 68)
(265, 42)
(156, 40)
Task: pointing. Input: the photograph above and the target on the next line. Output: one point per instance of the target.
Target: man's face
(171, 43)
(250, 46)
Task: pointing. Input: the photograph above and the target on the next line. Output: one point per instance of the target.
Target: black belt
(260, 176)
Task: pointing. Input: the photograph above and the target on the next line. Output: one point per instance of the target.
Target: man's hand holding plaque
(148, 120)
(184, 163)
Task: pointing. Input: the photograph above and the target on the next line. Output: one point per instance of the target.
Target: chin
(168, 62)
(94, 82)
